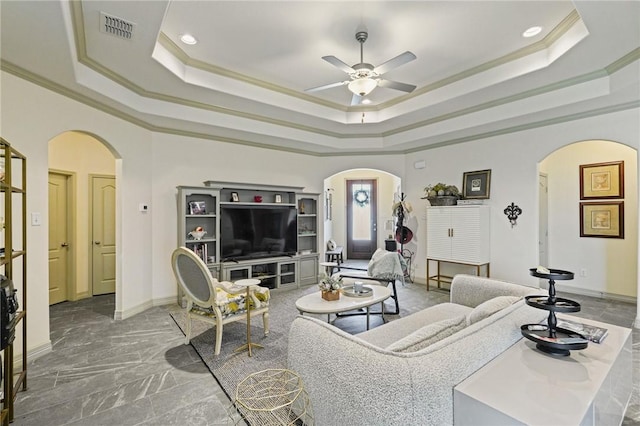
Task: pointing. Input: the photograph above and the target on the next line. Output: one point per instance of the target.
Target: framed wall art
(197, 207)
(604, 219)
(476, 184)
(602, 180)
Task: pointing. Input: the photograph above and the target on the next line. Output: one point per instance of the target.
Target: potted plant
(442, 194)
(330, 287)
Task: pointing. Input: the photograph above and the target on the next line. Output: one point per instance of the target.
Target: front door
(103, 234)
(362, 218)
(58, 237)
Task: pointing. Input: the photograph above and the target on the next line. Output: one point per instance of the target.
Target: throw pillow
(490, 307)
(428, 335)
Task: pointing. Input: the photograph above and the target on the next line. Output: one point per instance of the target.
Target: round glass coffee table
(315, 304)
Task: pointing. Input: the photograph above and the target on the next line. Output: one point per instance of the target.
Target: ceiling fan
(365, 77)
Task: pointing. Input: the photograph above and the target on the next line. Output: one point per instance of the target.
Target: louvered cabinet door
(459, 234)
(470, 234)
(438, 233)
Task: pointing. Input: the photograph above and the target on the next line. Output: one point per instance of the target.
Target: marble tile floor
(139, 372)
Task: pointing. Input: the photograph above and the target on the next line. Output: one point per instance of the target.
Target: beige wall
(513, 159)
(82, 155)
(609, 265)
(150, 165)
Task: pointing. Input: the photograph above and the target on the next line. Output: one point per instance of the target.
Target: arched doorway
(336, 190)
(82, 176)
(604, 267)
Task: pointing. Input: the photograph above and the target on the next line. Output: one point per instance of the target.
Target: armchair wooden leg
(187, 337)
(218, 336)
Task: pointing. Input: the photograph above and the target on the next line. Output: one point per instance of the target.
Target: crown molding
(627, 59)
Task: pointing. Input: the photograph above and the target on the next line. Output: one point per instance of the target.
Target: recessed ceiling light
(366, 101)
(533, 31)
(188, 39)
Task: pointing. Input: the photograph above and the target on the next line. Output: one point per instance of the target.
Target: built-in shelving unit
(198, 225)
(13, 265)
(276, 272)
(308, 237)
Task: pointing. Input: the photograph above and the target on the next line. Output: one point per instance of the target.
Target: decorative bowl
(197, 235)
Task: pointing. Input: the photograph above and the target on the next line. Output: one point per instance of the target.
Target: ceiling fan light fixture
(362, 86)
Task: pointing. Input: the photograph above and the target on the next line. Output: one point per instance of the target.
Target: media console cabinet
(201, 210)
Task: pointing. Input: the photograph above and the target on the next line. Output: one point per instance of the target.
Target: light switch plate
(36, 219)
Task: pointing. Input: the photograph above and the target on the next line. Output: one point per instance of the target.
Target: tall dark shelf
(13, 265)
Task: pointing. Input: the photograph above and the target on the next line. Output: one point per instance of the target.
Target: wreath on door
(361, 197)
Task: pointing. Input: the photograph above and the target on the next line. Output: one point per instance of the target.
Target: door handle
(64, 244)
(96, 243)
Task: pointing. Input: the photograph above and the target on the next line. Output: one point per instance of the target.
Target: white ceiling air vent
(116, 26)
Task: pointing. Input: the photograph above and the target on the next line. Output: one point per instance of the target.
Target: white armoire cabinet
(458, 234)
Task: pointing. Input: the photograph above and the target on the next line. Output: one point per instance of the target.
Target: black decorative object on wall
(512, 211)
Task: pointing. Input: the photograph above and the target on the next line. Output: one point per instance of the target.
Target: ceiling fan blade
(356, 99)
(401, 59)
(396, 85)
(327, 86)
(338, 64)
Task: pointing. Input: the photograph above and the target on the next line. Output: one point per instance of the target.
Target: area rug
(230, 367)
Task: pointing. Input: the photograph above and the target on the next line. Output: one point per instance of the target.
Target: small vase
(331, 295)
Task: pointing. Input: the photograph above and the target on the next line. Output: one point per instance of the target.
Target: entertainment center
(243, 231)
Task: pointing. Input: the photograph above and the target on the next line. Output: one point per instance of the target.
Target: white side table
(248, 283)
(525, 386)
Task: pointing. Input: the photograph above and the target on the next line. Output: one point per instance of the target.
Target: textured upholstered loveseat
(404, 372)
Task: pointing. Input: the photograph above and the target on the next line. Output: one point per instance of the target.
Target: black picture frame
(234, 197)
(477, 184)
(602, 180)
(197, 207)
(602, 219)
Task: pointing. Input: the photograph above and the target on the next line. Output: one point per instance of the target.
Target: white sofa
(404, 372)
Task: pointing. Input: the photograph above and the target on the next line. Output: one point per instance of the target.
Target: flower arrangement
(329, 283)
(441, 189)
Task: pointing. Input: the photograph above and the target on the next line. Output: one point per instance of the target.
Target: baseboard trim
(32, 354)
(594, 293)
(171, 300)
(128, 313)
(80, 296)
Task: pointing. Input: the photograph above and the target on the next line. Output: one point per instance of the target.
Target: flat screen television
(257, 231)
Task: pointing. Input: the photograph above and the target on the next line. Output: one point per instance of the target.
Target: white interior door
(103, 234)
(543, 228)
(58, 238)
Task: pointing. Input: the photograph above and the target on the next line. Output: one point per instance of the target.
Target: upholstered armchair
(213, 301)
(384, 268)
